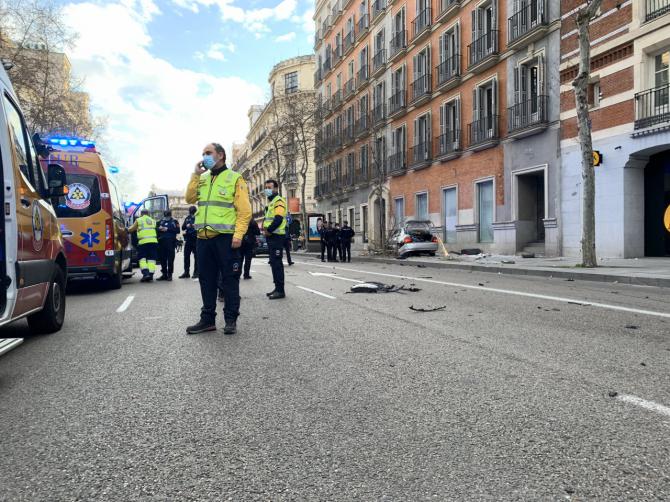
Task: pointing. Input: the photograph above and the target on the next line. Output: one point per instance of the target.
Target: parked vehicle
(90, 214)
(261, 245)
(413, 237)
(156, 205)
(33, 265)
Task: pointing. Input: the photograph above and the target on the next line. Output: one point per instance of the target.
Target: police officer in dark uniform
(338, 243)
(331, 238)
(346, 235)
(167, 229)
(248, 246)
(190, 242)
(321, 228)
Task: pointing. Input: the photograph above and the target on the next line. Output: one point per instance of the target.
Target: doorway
(530, 207)
(656, 200)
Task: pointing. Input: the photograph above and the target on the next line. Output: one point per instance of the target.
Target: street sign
(597, 158)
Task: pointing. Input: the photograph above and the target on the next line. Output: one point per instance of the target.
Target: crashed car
(413, 237)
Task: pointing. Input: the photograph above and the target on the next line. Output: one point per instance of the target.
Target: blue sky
(171, 76)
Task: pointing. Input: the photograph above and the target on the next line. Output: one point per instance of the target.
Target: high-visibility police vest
(146, 230)
(216, 210)
(270, 216)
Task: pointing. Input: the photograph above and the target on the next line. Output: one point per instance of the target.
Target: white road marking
(505, 291)
(195, 280)
(643, 403)
(317, 292)
(333, 276)
(126, 303)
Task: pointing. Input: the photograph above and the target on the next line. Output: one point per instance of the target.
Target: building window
(399, 204)
(422, 206)
(530, 101)
(364, 163)
(484, 113)
(485, 210)
(450, 210)
(484, 31)
(450, 127)
(352, 217)
(450, 59)
(364, 222)
(421, 148)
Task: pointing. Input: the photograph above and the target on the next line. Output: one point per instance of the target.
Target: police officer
(331, 238)
(346, 235)
(248, 246)
(147, 244)
(274, 228)
(321, 228)
(168, 229)
(190, 240)
(338, 243)
(221, 221)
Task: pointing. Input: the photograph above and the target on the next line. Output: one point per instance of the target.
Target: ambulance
(33, 266)
(91, 213)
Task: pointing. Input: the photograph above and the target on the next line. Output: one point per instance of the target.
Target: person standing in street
(274, 228)
(221, 221)
(168, 229)
(338, 243)
(346, 235)
(190, 241)
(331, 242)
(288, 243)
(321, 228)
(248, 246)
(147, 244)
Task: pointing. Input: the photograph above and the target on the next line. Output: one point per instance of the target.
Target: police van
(33, 267)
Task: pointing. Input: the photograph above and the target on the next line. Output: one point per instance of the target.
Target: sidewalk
(636, 271)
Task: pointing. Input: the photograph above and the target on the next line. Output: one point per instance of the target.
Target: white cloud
(286, 38)
(160, 116)
(216, 52)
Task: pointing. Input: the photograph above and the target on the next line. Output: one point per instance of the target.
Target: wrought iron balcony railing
(421, 23)
(421, 153)
(448, 70)
(421, 87)
(652, 107)
(484, 130)
(362, 76)
(379, 60)
(531, 15)
(449, 142)
(398, 102)
(656, 8)
(397, 163)
(398, 43)
(529, 113)
(483, 47)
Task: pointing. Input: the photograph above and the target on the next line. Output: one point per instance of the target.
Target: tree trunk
(303, 207)
(580, 85)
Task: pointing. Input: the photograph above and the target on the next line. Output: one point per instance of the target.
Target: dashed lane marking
(333, 276)
(126, 303)
(643, 403)
(317, 292)
(512, 292)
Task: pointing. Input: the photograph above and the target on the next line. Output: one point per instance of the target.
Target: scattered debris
(379, 287)
(632, 326)
(421, 266)
(570, 279)
(425, 277)
(527, 255)
(576, 303)
(569, 490)
(643, 364)
(435, 309)
(613, 393)
(508, 262)
(481, 283)
(471, 251)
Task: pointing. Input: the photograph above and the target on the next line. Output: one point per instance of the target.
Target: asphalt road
(507, 394)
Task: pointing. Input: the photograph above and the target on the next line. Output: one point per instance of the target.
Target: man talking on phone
(222, 219)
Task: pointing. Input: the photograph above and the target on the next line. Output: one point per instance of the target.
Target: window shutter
(540, 11)
(443, 119)
(540, 75)
(426, 141)
(427, 70)
(494, 14)
(457, 47)
(495, 96)
(517, 92)
(475, 31)
(475, 104)
(416, 132)
(457, 124)
(415, 60)
(443, 48)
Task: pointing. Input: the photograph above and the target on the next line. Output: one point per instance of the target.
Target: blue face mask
(268, 192)
(208, 161)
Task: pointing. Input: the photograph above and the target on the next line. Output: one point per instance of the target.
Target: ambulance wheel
(50, 319)
(114, 281)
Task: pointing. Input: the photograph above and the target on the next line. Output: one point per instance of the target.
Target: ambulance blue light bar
(72, 142)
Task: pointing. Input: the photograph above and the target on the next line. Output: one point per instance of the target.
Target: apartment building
(256, 160)
(629, 95)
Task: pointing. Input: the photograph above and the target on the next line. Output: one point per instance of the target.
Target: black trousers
(332, 253)
(287, 247)
(276, 248)
(216, 256)
(324, 245)
(247, 251)
(346, 251)
(190, 246)
(166, 251)
(340, 249)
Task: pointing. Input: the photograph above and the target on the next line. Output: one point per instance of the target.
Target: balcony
(379, 61)
(362, 77)
(336, 12)
(327, 66)
(656, 8)
(483, 52)
(421, 24)
(421, 89)
(448, 8)
(349, 41)
(326, 26)
(398, 104)
(448, 145)
(348, 134)
(448, 73)
(258, 140)
(398, 44)
(652, 107)
(379, 114)
(327, 107)
(349, 88)
(378, 8)
(529, 117)
(362, 125)
(397, 163)
(337, 99)
(337, 55)
(421, 154)
(362, 175)
(349, 179)
(484, 133)
(363, 25)
(317, 78)
(527, 25)
(317, 39)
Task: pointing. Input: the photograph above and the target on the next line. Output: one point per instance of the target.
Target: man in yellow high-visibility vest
(222, 220)
(147, 244)
(274, 228)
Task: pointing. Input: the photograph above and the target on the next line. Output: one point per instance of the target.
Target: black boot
(277, 295)
(185, 275)
(201, 327)
(230, 328)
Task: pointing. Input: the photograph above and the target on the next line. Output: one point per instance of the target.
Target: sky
(171, 76)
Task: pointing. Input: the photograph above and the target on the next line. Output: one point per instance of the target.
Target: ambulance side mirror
(56, 180)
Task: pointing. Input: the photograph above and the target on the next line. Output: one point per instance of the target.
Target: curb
(660, 282)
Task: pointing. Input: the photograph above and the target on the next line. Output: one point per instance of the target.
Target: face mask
(208, 161)
(268, 192)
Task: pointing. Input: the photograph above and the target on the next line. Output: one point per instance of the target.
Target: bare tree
(33, 41)
(378, 178)
(582, 19)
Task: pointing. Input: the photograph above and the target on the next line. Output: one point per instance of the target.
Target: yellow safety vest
(270, 216)
(146, 230)
(216, 210)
